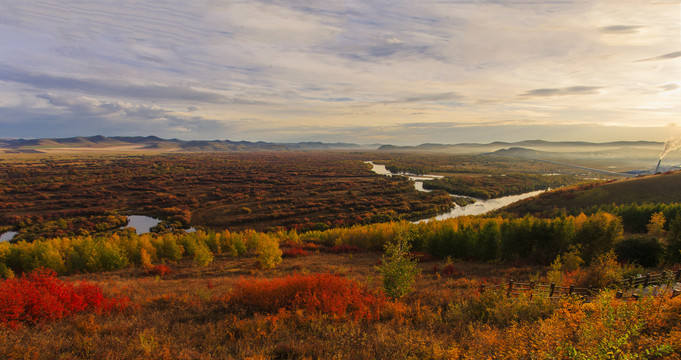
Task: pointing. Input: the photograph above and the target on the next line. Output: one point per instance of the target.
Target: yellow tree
(656, 225)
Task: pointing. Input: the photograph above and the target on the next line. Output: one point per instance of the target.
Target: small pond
(7, 236)
(142, 224)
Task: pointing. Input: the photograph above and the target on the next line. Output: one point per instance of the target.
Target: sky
(369, 71)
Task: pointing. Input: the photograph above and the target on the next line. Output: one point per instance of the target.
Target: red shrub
(344, 249)
(294, 253)
(322, 293)
(40, 297)
(160, 270)
(450, 270)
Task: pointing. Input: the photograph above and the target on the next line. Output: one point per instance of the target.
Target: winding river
(479, 207)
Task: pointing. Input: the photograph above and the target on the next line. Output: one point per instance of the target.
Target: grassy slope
(662, 188)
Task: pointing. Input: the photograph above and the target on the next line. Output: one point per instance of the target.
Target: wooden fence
(627, 286)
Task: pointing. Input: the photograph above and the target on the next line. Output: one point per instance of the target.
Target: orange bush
(322, 293)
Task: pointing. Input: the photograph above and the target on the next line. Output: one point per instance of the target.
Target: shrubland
(364, 291)
(330, 305)
(235, 191)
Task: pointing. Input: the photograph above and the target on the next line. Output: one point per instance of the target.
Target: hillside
(661, 188)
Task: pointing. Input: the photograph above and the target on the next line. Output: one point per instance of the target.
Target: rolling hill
(660, 188)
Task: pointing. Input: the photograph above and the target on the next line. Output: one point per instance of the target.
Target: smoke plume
(672, 144)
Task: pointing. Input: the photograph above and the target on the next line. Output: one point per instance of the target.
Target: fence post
(510, 287)
(645, 282)
(631, 281)
(678, 275)
(572, 288)
(553, 288)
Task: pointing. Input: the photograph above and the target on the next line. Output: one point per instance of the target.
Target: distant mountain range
(528, 148)
(155, 143)
(529, 145)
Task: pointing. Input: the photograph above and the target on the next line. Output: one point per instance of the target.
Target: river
(479, 207)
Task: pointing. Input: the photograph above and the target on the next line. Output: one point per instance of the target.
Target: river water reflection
(479, 207)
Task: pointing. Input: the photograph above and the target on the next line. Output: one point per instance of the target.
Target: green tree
(398, 268)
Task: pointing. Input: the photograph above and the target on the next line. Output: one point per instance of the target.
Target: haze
(400, 72)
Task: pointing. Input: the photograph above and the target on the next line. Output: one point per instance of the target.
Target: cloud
(669, 87)
(672, 55)
(86, 106)
(417, 98)
(572, 90)
(113, 87)
(294, 63)
(620, 29)
(117, 114)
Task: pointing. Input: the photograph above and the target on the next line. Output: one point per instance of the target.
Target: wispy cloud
(669, 87)
(421, 98)
(113, 87)
(621, 29)
(672, 55)
(572, 90)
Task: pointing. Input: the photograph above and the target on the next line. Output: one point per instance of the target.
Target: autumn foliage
(159, 270)
(40, 297)
(326, 294)
(294, 253)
